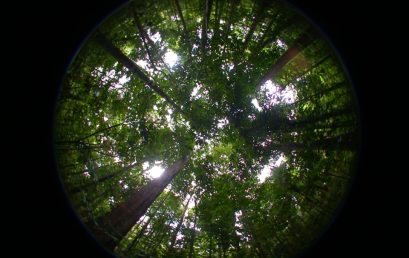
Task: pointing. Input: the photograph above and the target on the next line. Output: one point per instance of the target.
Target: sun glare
(155, 171)
(171, 58)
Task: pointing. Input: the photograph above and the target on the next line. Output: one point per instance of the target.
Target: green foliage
(110, 124)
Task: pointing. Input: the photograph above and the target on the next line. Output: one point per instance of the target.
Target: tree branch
(134, 68)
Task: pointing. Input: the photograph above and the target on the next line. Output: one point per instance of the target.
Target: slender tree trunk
(280, 27)
(273, 120)
(123, 217)
(341, 142)
(254, 238)
(347, 111)
(206, 15)
(133, 67)
(337, 176)
(217, 14)
(254, 24)
(145, 226)
(179, 225)
(192, 240)
(267, 29)
(89, 135)
(303, 41)
(101, 179)
(143, 35)
(319, 94)
(210, 247)
(315, 65)
(233, 4)
(180, 14)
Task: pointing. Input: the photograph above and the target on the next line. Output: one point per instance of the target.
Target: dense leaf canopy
(248, 92)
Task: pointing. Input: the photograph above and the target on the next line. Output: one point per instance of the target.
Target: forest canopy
(206, 128)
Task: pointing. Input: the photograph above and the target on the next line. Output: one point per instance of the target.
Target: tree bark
(123, 217)
(304, 40)
(142, 231)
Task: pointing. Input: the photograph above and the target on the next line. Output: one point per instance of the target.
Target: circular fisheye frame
(206, 128)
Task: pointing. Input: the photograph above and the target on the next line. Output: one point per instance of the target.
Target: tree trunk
(315, 65)
(217, 14)
(304, 40)
(256, 20)
(273, 121)
(205, 25)
(179, 10)
(281, 26)
(142, 231)
(317, 118)
(267, 30)
(233, 4)
(319, 94)
(144, 37)
(192, 240)
(123, 217)
(133, 67)
(342, 142)
(179, 225)
(101, 179)
(89, 135)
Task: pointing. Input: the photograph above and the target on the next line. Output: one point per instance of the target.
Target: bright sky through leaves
(171, 58)
(255, 168)
(155, 171)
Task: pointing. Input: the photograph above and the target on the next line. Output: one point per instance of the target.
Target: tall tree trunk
(280, 27)
(179, 225)
(342, 142)
(346, 111)
(267, 30)
(320, 93)
(123, 217)
(206, 15)
(304, 40)
(192, 240)
(144, 37)
(180, 14)
(217, 14)
(233, 4)
(273, 121)
(303, 73)
(254, 237)
(79, 140)
(254, 24)
(101, 179)
(145, 226)
(133, 67)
